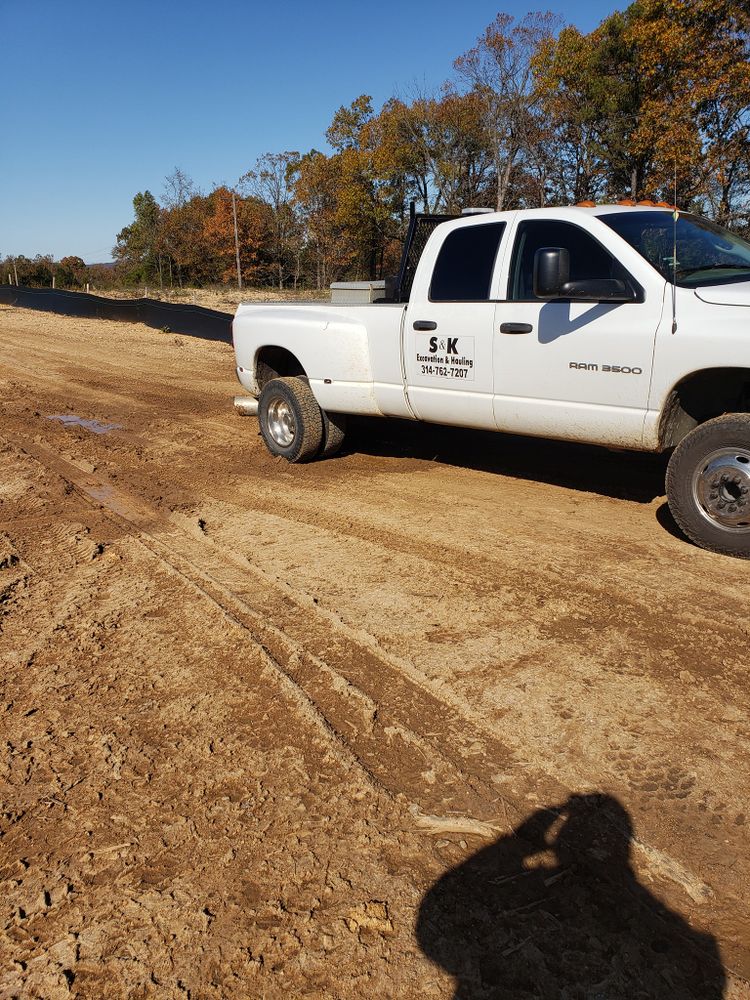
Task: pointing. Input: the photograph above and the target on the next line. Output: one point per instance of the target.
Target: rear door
(449, 328)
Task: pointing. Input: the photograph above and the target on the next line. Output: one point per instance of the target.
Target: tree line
(653, 105)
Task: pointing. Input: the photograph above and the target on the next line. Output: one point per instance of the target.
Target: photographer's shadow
(554, 910)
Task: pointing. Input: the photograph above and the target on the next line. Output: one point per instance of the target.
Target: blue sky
(103, 99)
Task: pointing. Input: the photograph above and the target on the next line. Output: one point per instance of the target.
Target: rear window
(463, 270)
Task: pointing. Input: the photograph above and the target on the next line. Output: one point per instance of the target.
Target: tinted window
(706, 253)
(463, 270)
(588, 259)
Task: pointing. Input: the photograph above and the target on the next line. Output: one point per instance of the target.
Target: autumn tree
(101, 276)
(436, 152)
(694, 61)
(178, 189)
(589, 93)
(368, 197)
(316, 193)
(181, 239)
(347, 201)
(71, 272)
(181, 225)
(217, 238)
(36, 271)
(271, 181)
(499, 69)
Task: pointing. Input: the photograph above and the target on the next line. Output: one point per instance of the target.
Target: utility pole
(236, 241)
(15, 272)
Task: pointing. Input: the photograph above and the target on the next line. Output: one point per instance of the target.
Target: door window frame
(497, 261)
(635, 285)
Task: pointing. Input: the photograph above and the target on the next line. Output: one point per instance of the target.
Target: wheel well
(275, 362)
(700, 397)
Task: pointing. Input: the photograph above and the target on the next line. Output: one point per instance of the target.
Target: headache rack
(421, 226)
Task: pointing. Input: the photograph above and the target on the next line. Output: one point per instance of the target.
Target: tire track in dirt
(368, 702)
(626, 604)
(197, 762)
(352, 692)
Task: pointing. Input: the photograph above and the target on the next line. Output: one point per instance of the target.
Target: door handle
(424, 324)
(516, 328)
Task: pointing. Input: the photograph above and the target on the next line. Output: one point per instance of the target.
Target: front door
(567, 369)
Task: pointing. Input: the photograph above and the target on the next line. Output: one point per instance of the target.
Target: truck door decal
(445, 357)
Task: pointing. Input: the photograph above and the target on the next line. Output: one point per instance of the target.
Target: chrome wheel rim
(721, 489)
(281, 423)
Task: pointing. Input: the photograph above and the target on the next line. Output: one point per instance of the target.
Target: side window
(463, 270)
(588, 258)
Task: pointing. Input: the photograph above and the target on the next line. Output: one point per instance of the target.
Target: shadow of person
(554, 910)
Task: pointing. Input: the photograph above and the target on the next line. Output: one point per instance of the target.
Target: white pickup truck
(619, 325)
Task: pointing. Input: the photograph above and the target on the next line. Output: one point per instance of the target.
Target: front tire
(291, 422)
(708, 485)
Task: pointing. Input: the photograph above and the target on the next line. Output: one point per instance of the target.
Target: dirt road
(451, 712)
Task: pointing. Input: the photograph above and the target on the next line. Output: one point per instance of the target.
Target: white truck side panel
(558, 380)
(346, 397)
(303, 329)
(459, 393)
(707, 336)
(351, 354)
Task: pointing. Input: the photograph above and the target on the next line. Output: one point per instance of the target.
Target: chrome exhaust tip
(246, 406)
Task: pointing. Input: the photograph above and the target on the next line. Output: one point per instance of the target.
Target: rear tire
(708, 485)
(291, 422)
(334, 431)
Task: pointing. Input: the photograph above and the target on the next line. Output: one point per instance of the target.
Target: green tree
(137, 247)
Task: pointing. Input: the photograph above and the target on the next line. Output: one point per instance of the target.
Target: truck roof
(584, 208)
(556, 212)
(652, 206)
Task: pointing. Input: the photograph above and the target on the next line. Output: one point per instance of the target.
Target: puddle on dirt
(71, 420)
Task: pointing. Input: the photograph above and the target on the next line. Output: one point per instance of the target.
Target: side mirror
(598, 290)
(551, 272)
(552, 281)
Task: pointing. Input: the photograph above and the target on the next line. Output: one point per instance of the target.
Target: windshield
(706, 253)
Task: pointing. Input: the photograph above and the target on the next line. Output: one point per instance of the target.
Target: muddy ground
(452, 714)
